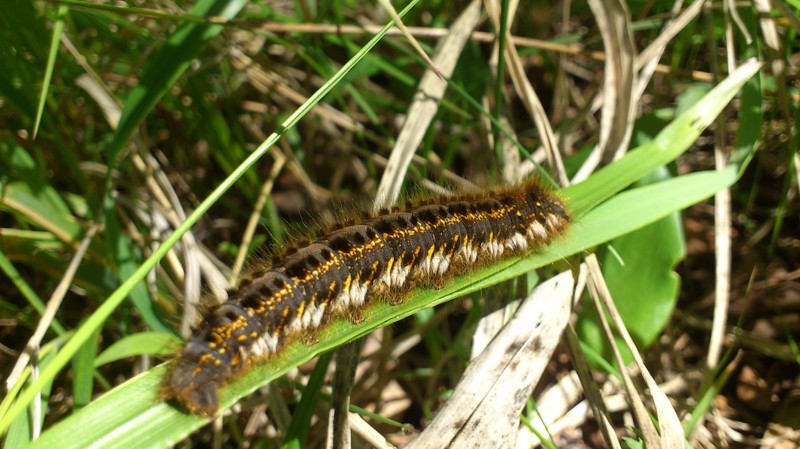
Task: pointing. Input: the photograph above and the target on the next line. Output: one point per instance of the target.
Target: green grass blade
(96, 320)
(58, 29)
(144, 12)
(21, 25)
(132, 416)
(23, 430)
(500, 76)
(83, 372)
(37, 208)
(166, 66)
(678, 136)
(129, 416)
(26, 290)
(297, 431)
(643, 284)
(142, 343)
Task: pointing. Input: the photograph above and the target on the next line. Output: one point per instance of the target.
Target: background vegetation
(121, 120)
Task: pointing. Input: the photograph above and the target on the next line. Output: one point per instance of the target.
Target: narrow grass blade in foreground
(96, 320)
(673, 140)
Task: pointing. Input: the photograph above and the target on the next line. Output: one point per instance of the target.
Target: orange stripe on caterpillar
(341, 272)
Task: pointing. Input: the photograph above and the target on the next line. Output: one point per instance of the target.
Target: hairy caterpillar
(341, 272)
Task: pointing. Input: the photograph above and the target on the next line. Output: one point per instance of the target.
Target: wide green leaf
(133, 416)
(638, 269)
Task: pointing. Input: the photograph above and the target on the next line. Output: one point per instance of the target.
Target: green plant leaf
(83, 372)
(673, 140)
(149, 343)
(297, 431)
(22, 56)
(167, 65)
(132, 415)
(20, 433)
(33, 299)
(38, 208)
(638, 268)
(164, 69)
(55, 40)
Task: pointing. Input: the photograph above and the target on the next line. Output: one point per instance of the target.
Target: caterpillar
(341, 272)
